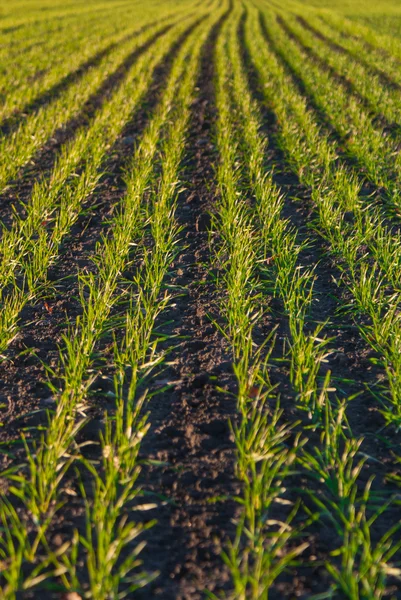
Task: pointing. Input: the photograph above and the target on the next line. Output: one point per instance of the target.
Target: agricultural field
(200, 299)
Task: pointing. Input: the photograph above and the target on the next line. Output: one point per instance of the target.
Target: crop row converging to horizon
(200, 243)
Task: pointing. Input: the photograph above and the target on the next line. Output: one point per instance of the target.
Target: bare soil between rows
(189, 432)
(188, 455)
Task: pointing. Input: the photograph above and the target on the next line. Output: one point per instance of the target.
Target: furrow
(369, 63)
(374, 151)
(37, 326)
(189, 431)
(349, 357)
(200, 299)
(31, 245)
(77, 355)
(21, 146)
(344, 517)
(39, 170)
(30, 98)
(317, 173)
(380, 100)
(380, 45)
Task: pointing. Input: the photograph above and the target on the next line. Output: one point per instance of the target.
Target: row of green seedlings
(164, 234)
(31, 245)
(261, 549)
(364, 140)
(108, 530)
(21, 23)
(380, 45)
(17, 149)
(249, 141)
(71, 52)
(344, 220)
(337, 463)
(33, 32)
(163, 50)
(34, 48)
(34, 41)
(279, 265)
(378, 236)
(380, 98)
(371, 41)
(299, 153)
(377, 153)
(52, 37)
(35, 69)
(374, 58)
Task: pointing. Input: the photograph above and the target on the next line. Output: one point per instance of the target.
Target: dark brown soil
(190, 430)
(23, 377)
(389, 128)
(353, 371)
(384, 77)
(40, 166)
(188, 455)
(189, 422)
